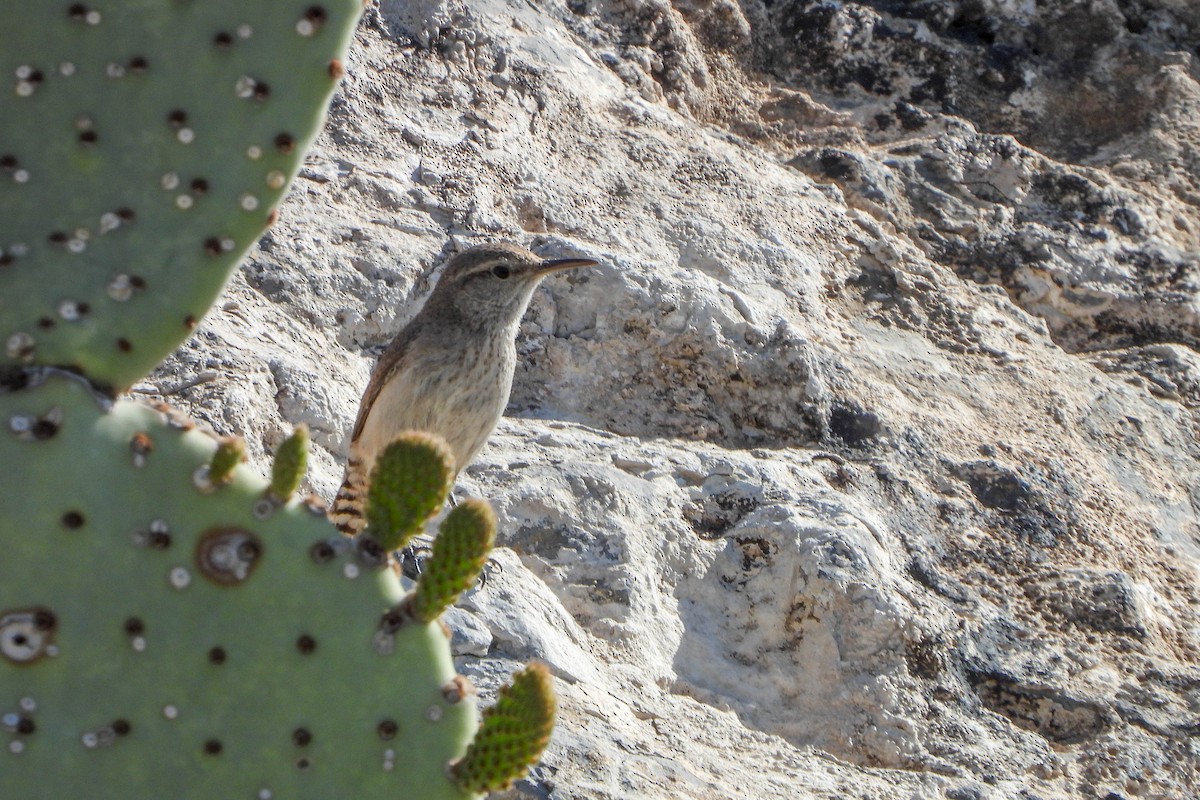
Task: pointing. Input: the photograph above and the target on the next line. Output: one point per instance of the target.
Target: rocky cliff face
(866, 463)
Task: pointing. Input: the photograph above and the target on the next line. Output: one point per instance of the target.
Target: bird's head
(493, 282)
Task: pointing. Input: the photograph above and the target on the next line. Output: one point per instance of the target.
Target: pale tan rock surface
(865, 466)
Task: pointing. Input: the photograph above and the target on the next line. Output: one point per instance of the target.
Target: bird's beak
(559, 264)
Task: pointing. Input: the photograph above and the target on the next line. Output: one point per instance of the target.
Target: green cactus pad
(409, 484)
(460, 551)
(514, 733)
(231, 451)
(157, 640)
(289, 466)
(144, 148)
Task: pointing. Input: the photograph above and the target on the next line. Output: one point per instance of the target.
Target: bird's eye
(501, 271)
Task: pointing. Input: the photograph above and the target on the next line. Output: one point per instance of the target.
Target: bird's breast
(458, 393)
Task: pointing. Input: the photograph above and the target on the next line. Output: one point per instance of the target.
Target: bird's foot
(490, 567)
(411, 559)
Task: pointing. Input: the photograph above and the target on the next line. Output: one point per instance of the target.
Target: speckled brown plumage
(450, 370)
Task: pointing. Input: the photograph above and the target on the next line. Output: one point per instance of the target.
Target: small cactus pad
(409, 484)
(162, 640)
(291, 462)
(144, 148)
(231, 451)
(514, 733)
(460, 551)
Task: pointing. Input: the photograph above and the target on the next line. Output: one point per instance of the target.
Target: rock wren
(449, 371)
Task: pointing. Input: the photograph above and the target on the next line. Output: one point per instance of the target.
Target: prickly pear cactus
(144, 148)
(460, 551)
(172, 625)
(162, 636)
(515, 731)
(396, 516)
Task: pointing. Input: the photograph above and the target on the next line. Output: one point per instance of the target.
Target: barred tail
(349, 507)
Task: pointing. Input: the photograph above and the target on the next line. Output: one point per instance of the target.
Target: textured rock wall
(866, 463)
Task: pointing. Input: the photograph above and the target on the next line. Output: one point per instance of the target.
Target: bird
(449, 371)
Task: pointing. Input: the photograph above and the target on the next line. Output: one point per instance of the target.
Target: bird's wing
(388, 363)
